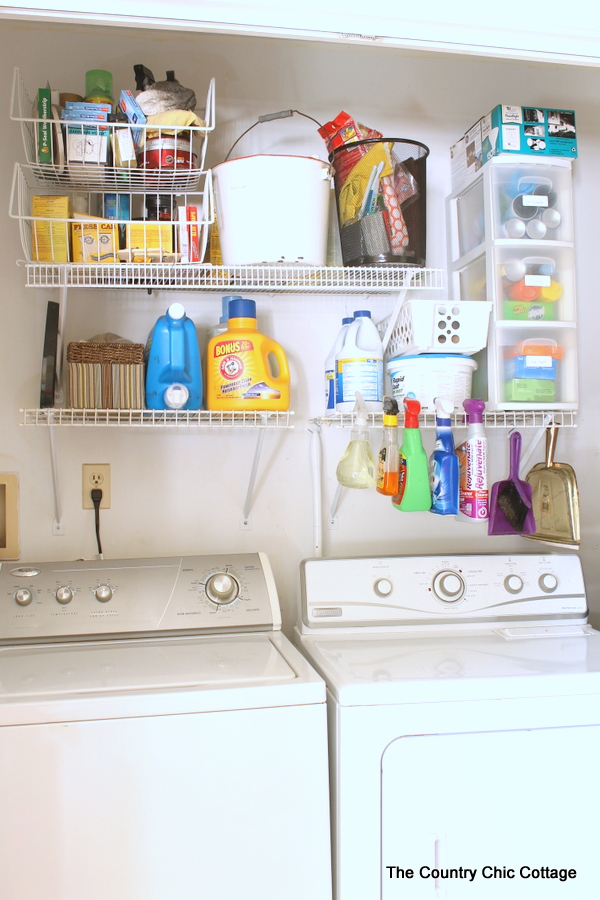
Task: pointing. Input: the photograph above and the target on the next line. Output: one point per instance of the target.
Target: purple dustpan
(511, 511)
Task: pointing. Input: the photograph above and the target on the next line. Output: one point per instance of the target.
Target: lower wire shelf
(535, 418)
(150, 418)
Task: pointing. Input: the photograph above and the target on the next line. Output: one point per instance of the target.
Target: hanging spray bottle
(413, 478)
(388, 461)
(443, 462)
(356, 468)
(472, 455)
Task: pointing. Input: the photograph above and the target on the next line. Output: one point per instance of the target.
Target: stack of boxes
(511, 242)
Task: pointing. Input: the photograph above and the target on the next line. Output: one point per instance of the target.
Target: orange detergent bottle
(244, 368)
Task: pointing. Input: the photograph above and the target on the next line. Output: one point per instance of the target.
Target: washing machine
(464, 724)
(159, 736)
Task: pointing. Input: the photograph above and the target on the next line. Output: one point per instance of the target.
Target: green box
(530, 310)
(530, 390)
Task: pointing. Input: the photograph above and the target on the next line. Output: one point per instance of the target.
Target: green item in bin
(530, 390)
(530, 310)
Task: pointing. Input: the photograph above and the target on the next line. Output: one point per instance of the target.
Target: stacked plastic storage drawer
(511, 242)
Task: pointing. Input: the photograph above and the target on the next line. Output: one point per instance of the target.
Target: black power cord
(96, 495)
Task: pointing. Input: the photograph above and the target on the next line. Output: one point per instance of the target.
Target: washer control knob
(23, 596)
(103, 593)
(384, 587)
(513, 584)
(64, 594)
(222, 588)
(548, 582)
(448, 586)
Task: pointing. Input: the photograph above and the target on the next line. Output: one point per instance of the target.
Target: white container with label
(359, 365)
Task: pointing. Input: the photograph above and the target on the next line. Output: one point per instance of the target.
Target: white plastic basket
(437, 326)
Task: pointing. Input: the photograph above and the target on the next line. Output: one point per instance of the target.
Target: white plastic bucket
(431, 375)
(273, 209)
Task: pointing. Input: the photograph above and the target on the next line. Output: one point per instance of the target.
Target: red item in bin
(344, 130)
(166, 153)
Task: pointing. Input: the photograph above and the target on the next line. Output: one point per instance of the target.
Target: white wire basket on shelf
(79, 154)
(437, 326)
(115, 229)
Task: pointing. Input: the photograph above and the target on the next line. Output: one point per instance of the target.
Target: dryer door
(490, 815)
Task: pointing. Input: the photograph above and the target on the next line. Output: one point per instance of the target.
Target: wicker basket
(105, 375)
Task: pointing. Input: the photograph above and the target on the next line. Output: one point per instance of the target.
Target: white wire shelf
(277, 278)
(152, 418)
(61, 172)
(537, 418)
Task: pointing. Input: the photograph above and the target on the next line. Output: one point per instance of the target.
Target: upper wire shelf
(69, 171)
(277, 278)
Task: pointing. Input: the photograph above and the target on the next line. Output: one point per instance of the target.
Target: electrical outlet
(95, 475)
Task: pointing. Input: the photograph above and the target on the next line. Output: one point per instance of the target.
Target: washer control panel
(409, 590)
(70, 600)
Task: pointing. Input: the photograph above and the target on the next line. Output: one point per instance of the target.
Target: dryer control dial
(103, 593)
(548, 582)
(222, 588)
(23, 596)
(64, 594)
(448, 586)
(383, 587)
(513, 584)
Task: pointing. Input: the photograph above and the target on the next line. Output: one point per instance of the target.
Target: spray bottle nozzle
(412, 408)
(361, 413)
(444, 407)
(474, 410)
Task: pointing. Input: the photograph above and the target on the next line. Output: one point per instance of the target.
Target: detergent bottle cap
(412, 408)
(362, 313)
(390, 411)
(347, 320)
(241, 309)
(444, 407)
(225, 307)
(474, 410)
(176, 311)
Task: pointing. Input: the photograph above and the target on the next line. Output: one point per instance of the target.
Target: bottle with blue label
(173, 373)
(443, 462)
(330, 366)
(359, 365)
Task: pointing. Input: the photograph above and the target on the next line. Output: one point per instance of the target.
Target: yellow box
(50, 240)
(150, 236)
(94, 242)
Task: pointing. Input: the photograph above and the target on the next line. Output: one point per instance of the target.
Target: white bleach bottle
(359, 365)
(330, 366)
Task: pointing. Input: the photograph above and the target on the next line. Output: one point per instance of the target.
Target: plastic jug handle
(278, 352)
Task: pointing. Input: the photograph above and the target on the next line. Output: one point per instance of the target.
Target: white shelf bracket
(58, 527)
(316, 469)
(246, 523)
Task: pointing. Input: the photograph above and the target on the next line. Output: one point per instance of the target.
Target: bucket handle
(269, 117)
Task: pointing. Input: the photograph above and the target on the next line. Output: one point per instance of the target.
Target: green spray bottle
(414, 488)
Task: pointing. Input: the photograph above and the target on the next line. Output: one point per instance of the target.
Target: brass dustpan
(554, 498)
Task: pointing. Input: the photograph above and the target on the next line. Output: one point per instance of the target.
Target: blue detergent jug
(173, 372)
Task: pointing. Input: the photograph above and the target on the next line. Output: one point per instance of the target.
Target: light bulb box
(527, 130)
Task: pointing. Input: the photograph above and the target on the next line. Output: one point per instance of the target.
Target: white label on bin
(534, 199)
(537, 280)
(539, 362)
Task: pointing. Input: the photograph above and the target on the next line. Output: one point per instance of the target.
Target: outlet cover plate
(95, 475)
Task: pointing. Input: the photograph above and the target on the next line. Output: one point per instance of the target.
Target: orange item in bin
(537, 347)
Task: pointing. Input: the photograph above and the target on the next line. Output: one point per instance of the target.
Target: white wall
(183, 491)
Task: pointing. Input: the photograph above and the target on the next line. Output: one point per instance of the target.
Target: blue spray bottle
(443, 462)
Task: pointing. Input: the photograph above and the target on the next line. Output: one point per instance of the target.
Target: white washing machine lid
(115, 679)
(381, 669)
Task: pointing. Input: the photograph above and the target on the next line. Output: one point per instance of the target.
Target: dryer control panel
(420, 590)
(136, 597)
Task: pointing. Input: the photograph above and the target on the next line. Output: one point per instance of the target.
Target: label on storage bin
(364, 375)
(534, 199)
(537, 281)
(539, 362)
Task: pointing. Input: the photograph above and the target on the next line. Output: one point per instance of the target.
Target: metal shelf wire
(535, 418)
(277, 278)
(151, 418)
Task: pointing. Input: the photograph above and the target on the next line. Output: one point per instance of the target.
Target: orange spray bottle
(388, 460)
